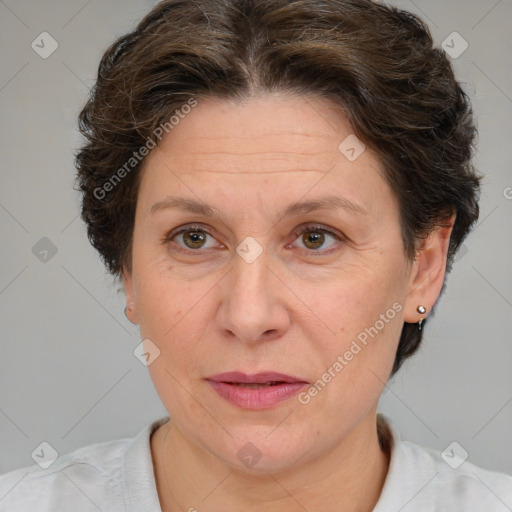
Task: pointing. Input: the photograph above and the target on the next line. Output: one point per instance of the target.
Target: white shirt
(117, 476)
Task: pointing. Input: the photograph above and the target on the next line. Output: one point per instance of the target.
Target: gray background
(68, 375)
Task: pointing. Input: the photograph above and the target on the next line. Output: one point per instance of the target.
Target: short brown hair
(377, 62)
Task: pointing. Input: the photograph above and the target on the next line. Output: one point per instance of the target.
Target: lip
(232, 387)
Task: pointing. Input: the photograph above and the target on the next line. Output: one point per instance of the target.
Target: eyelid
(308, 226)
(187, 227)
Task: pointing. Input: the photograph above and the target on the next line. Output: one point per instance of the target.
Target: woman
(281, 187)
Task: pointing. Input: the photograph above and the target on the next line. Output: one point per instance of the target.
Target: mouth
(260, 391)
(254, 385)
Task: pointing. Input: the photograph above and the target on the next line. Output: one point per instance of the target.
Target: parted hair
(378, 63)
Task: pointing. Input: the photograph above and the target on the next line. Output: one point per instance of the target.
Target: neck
(350, 477)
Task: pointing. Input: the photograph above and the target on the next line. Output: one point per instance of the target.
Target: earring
(421, 310)
(126, 309)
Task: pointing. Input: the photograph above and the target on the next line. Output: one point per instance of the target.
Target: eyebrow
(294, 209)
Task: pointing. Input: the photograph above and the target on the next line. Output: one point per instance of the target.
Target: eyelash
(299, 231)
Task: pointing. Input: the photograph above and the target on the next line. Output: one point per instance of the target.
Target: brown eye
(190, 238)
(194, 239)
(313, 239)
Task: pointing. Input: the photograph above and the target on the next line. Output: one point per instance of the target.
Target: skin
(294, 310)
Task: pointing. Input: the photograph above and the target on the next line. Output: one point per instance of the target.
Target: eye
(314, 237)
(192, 237)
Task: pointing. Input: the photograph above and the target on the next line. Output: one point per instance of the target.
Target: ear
(131, 309)
(428, 271)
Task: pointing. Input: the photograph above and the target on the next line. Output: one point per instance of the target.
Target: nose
(253, 302)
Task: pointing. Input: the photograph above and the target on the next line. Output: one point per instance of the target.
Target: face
(258, 284)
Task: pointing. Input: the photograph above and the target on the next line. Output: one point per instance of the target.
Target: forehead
(300, 129)
(265, 146)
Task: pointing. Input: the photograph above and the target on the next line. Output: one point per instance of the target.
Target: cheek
(162, 301)
(364, 317)
(354, 301)
(175, 313)
(168, 315)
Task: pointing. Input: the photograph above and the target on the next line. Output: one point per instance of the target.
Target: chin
(262, 450)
